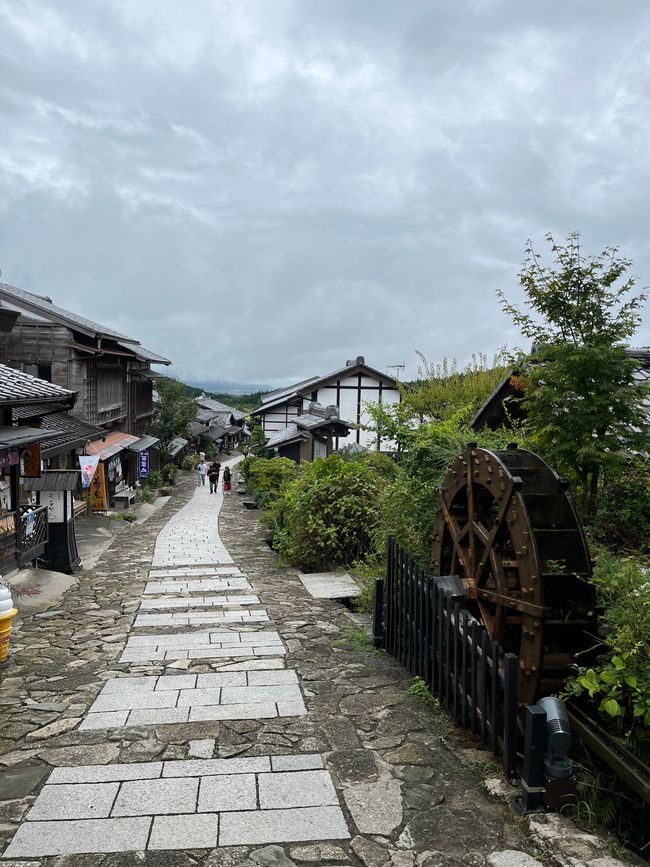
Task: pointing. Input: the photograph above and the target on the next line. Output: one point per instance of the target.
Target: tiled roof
(15, 437)
(206, 415)
(143, 353)
(36, 410)
(287, 391)
(177, 445)
(306, 386)
(72, 431)
(111, 444)
(18, 388)
(286, 435)
(54, 480)
(217, 406)
(41, 305)
(195, 428)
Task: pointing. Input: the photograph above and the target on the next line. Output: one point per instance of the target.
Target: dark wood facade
(114, 388)
(110, 373)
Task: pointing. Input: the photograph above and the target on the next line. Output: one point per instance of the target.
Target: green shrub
(619, 683)
(191, 462)
(155, 480)
(144, 495)
(169, 473)
(329, 514)
(265, 478)
(623, 517)
(129, 517)
(383, 464)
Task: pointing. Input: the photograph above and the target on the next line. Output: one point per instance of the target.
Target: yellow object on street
(5, 631)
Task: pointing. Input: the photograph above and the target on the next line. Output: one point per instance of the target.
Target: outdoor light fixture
(546, 779)
(558, 738)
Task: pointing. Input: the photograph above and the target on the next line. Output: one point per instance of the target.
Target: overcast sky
(261, 189)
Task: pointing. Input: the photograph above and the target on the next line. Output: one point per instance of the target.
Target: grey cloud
(260, 190)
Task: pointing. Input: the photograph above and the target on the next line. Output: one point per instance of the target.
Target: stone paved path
(279, 742)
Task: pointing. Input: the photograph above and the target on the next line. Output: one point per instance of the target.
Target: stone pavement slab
(199, 585)
(202, 644)
(188, 602)
(36, 839)
(196, 619)
(263, 805)
(283, 826)
(173, 699)
(182, 573)
(330, 585)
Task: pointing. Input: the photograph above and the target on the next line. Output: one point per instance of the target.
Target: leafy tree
(585, 408)
(257, 442)
(443, 389)
(172, 415)
(442, 392)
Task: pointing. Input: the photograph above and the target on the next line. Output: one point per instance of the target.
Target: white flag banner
(88, 464)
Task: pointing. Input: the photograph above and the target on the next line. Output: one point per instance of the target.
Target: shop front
(113, 485)
(23, 523)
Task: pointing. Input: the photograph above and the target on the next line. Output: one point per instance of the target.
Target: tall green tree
(581, 398)
(257, 442)
(172, 415)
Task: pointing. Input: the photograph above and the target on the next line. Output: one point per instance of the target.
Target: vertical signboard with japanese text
(97, 498)
(32, 461)
(143, 464)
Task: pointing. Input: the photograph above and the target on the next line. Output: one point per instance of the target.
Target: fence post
(378, 614)
(532, 777)
(510, 716)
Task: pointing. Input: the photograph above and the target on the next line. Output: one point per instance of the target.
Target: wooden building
(310, 435)
(23, 522)
(110, 372)
(350, 389)
(226, 426)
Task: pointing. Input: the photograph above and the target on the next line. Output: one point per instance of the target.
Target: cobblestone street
(191, 701)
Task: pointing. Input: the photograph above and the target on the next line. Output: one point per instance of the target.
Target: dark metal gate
(423, 622)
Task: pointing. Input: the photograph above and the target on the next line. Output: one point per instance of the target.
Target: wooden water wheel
(507, 527)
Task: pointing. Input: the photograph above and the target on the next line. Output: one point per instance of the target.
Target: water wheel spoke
(456, 534)
(496, 526)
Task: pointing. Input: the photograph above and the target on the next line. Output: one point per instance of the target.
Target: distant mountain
(223, 386)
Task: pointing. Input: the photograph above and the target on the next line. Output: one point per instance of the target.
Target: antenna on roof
(398, 368)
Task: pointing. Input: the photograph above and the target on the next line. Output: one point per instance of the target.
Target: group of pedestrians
(212, 472)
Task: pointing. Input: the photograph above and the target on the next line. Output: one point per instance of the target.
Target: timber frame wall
(114, 389)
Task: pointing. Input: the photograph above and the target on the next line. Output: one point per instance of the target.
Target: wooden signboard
(32, 461)
(97, 494)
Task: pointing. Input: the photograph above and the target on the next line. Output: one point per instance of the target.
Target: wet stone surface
(364, 777)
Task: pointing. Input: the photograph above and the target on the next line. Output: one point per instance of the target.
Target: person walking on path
(226, 480)
(213, 476)
(202, 470)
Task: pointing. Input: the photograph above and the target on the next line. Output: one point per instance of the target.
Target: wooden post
(378, 614)
(510, 716)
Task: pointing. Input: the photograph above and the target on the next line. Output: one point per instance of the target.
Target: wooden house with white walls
(349, 389)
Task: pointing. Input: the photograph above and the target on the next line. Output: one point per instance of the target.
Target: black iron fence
(423, 622)
(32, 529)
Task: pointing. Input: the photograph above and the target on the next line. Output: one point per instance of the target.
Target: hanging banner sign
(88, 464)
(97, 498)
(32, 461)
(9, 457)
(143, 464)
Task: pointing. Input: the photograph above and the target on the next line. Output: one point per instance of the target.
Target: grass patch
(129, 517)
(418, 689)
(355, 640)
